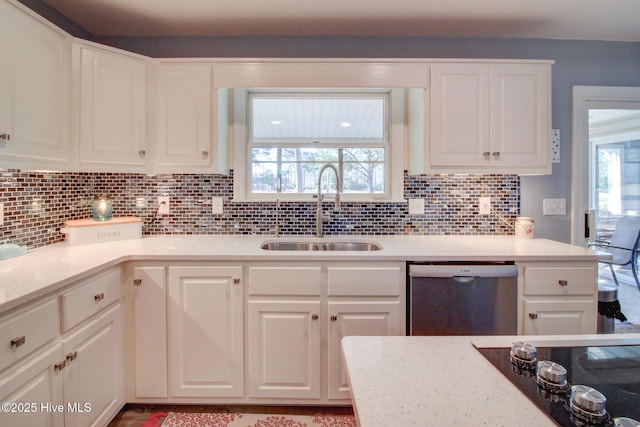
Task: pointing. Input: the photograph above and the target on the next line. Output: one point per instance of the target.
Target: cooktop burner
(576, 386)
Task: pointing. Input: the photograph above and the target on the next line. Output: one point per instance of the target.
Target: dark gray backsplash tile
(36, 205)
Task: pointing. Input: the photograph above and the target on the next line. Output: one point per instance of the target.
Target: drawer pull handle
(5, 137)
(533, 316)
(99, 297)
(60, 365)
(142, 153)
(334, 317)
(236, 281)
(563, 282)
(314, 316)
(496, 155)
(137, 282)
(72, 356)
(205, 153)
(17, 342)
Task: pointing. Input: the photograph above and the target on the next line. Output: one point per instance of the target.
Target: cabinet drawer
(88, 299)
(23, 332)
(560, 280)
(365, 281)
(304, 280)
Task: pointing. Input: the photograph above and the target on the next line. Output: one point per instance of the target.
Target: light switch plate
(416, 206)
(554, 206)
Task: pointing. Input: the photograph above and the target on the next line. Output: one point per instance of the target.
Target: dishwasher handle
(458, 270)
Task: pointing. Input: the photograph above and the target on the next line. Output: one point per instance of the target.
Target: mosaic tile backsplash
(36, 205)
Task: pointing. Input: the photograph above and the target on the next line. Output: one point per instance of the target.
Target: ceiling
(613, 20)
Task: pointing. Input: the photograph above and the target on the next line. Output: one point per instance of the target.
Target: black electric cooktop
(612, 371)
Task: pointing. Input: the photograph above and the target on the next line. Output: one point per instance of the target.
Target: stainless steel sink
(289, 245)
(350, 246)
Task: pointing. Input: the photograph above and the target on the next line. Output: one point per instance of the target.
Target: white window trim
(395, 156)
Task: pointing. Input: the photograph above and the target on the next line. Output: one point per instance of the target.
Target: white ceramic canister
(524, 227)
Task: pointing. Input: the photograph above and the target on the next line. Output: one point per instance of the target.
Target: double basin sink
(300, 245)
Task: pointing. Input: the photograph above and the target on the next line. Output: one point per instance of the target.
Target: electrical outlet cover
(484, 205)
(416, 206)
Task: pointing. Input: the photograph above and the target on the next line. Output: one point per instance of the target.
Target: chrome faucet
(323, 218)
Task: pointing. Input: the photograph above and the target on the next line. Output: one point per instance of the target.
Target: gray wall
(595, 63)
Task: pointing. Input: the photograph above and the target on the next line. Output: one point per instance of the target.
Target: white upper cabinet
(34, 92)
(488, 118)
(187, 120)
(112, 109)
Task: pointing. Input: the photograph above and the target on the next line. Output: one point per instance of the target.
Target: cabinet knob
(137, 282)
(72, 356)
(486, 154)
(533, 316)
(334, 317)
(205, 153)
(5, 137)
(142, 153)
(60, 365)
(236, 281)
(17, 342)
(99, 297)
(563, 282)
(496, 155)
(314, 316)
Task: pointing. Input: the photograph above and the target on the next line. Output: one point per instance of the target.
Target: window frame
(394, 146)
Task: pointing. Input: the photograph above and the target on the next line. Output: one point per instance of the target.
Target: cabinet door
(206, 331)
(459, 115)
(37, 382)
(363, 318)
(559, 317)
(112, 110)
(35, 72)
(150, 332)
(284, 349)
(94, 372)
(520, 115)
(186, 108)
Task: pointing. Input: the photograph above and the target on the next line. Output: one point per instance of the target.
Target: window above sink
(284, 136)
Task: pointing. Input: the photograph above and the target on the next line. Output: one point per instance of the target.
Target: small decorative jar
(524, 227)
(102, 208)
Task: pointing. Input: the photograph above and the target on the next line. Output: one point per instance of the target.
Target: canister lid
(88, 222)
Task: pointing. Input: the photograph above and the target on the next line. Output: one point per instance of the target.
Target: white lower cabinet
(298, 314)
(93, 375)
(284, 342)
(558, 298)
(205, 331)
(362, 318)
(149, 324)
(29, 386)
(65, 373)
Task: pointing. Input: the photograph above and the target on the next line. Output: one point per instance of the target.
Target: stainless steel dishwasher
(462, 298)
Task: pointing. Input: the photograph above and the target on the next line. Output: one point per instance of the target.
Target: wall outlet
(217, 205)
(555, 145)
(554, 206)
(484, 205)
(164, 205)
(416, 206)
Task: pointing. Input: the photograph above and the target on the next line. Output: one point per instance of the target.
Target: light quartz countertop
(444, 381)
(50, 268)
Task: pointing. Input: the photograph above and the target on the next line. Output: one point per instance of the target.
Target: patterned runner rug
(221, 419)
